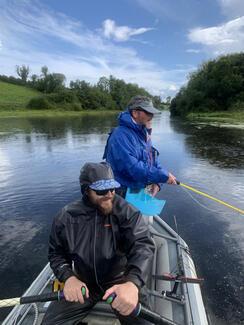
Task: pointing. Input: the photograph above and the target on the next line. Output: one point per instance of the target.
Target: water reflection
(40, 159)
(223, 147)
(57, 127)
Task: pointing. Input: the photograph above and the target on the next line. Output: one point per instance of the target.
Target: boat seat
(161, 264)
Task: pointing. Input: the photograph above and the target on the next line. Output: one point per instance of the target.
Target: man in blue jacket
(130, 152)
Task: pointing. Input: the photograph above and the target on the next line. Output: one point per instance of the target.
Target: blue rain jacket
(131, 155)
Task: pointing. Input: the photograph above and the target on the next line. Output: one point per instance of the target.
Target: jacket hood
(125, 119)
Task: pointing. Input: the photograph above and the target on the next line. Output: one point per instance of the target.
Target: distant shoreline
(52, 113)
(220, 119)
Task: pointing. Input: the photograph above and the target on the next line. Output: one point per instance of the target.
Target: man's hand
(126, 297)
(72, 290)
(153, 189)
(171, 179)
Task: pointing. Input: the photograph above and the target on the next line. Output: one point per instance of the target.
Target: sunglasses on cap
(103, 192)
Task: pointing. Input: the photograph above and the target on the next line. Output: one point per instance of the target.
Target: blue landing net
(144, 202)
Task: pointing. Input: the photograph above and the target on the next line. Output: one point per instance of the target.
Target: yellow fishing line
(211, 197)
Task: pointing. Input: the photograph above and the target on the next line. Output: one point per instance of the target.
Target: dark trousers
(72, 313)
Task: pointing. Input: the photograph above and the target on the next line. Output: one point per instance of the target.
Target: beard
(103, 203)
(105, 206)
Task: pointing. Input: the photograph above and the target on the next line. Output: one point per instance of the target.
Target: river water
(40, 159)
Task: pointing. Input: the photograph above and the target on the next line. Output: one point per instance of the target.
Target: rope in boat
(210, 197)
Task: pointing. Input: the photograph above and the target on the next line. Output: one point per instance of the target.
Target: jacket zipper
(94, 255)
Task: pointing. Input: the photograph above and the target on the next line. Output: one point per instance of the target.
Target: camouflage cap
(144, 103)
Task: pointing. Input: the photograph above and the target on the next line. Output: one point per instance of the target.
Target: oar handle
(135, 312)
(144, 313)
(52, 296)
(139, 311)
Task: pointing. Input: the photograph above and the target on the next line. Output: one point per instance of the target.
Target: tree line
(217, 85)
(108, 93)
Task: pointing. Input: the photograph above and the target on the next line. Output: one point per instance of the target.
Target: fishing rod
(139, 311)
(210, 197)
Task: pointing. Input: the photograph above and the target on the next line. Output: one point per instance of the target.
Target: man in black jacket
(101, 243)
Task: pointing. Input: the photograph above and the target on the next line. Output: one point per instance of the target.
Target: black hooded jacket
(99, 249)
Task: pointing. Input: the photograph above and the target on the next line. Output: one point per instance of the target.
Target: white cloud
(225, 38)
(232, 8)
(34, 35)
(173, 87)
(121, 33)
(192, 51)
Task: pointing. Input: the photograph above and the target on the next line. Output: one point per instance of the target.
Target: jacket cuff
(133, 278)
(164, 176)
(65, 275)
(160, 186)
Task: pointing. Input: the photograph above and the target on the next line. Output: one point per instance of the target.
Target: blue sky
(154, 43)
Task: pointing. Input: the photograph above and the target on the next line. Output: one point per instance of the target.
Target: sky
(153, 43)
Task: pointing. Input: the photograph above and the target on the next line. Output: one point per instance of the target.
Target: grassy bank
(14, 97)
(53, 113)
(234, 117)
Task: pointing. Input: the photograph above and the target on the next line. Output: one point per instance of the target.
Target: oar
(139, 311)
(53, 296)
(210, 197)
(142, 312)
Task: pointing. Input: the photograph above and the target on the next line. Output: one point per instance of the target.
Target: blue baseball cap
(104, 184)
(98, 176)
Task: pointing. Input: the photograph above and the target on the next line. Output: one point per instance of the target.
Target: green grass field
(232, 117)
(14, 97)
(54, 113)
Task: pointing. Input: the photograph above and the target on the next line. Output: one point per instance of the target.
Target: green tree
(108, 93)
(92, 97)
(157, 101)
(44, 71)
(103, 84)
(34, 79)
(217, 85)
(168, 100)
(23, 72)
(122, 92)
(49, 82)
